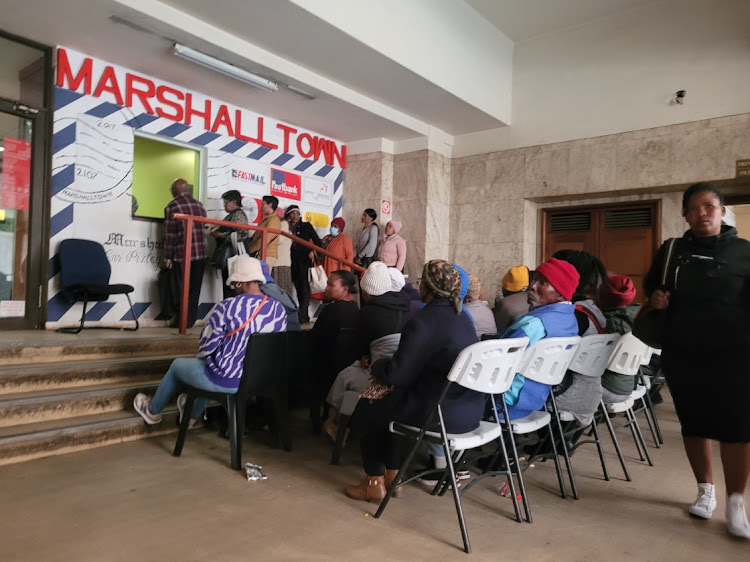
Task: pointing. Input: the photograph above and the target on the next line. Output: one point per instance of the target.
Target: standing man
(269, 220)
(302, 257)
(174, 244)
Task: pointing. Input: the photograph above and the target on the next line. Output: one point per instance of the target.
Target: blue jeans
(188, 370)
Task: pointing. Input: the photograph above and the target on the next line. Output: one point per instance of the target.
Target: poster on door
(16, 174)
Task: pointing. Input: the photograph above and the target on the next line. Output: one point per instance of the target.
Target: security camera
(679, 96)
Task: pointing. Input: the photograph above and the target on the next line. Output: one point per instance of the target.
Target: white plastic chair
(545, 362)
(647, 406)
(590, 360)
(488, 367)
(626, 360)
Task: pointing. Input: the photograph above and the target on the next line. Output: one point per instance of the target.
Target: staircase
(57, 399)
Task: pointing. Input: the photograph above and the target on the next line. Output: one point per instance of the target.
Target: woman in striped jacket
(223, 342)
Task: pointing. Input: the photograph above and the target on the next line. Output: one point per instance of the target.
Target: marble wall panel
(653, 161)
(439, 178)
(702, 155)
(506, 177)
(626, 167)
(438, 224)
(602, 168)
(410, 177)
(469, 182)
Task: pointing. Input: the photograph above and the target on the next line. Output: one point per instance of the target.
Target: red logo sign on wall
(286, 185)
(385, 207)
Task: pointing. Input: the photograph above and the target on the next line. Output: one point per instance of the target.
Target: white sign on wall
(317, 191)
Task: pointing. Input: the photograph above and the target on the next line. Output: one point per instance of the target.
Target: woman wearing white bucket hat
(223, 341)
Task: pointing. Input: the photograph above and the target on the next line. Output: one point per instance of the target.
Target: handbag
(375, 391)
(222, 254)
(317, 277)
(239, 249)
(649, 324)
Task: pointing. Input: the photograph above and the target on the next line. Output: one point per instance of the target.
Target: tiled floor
(136, 501)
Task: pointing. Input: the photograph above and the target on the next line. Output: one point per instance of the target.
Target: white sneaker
(141, 403)
(705, 503)
(737, 523)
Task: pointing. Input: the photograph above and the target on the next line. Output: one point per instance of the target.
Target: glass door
(21, 167)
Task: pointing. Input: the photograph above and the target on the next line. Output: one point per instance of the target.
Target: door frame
(39, 196)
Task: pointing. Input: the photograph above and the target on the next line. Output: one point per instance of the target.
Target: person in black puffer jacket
(706, 347)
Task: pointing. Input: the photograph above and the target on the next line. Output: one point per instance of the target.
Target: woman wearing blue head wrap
(464, 289)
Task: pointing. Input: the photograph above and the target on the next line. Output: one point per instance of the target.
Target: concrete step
(56, 437)
(72, 374)
(62, 403)
(84, 350)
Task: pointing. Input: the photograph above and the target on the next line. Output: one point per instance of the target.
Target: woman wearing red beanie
(615, 298)
(340, 244)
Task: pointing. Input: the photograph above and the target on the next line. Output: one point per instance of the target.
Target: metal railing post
(186, 274)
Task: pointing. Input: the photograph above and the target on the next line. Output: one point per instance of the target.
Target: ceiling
(287, 31)
(521, 20)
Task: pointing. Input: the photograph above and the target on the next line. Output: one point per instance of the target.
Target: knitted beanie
(617, 291)
(397, 279)
(516, 279)
(561, 275)
(376, 280)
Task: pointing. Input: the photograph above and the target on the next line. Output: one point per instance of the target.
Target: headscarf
(464, 276)
(339, 223)
(443, 280)
(396, 226)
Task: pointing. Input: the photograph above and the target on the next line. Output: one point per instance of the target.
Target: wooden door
(624, 237)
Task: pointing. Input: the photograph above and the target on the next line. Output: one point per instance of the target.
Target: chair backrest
(646, 358)
(299, 346)
(489, 366)
(626, 358)
(83, 261)
(593, 354)
(264, 370)
(547, 360)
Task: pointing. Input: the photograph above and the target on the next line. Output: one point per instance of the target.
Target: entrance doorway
(624, 237)
(24, 94)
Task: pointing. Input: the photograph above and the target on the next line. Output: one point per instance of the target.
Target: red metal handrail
(190, 219)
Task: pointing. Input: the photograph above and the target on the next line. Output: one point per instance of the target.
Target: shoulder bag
(649, 324)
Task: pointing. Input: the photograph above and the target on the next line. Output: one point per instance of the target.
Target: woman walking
(706, 348)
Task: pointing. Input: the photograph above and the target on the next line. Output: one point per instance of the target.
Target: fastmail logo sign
(249, 177)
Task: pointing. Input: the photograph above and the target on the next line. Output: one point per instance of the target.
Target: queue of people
(405, 347)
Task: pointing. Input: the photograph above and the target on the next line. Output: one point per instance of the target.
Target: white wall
(444, 41)
(619, 74)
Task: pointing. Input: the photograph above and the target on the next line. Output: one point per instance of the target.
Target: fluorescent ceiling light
(224, 68)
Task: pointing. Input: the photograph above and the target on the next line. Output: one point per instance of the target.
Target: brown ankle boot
(372, 488)
(390, 476)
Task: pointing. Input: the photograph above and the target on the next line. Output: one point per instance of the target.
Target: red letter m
(65, 73)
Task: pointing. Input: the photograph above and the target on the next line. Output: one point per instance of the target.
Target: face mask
(334, 231)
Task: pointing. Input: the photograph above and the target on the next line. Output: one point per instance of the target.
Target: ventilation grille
(627, 218)
(570, 221)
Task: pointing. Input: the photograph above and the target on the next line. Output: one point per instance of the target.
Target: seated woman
(223, 342)
(551, 315)
(615, 297)
(578, 394)
(378, 332)
(339, 314)
(430, 342)
(484, 320)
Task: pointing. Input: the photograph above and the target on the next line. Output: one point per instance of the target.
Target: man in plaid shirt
(174, 243)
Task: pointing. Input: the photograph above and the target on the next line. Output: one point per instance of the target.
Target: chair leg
(566, 453)
(184, 424)
(340, 438)
(556, 458)
(651, 419)
(600, 449)
(80, 326)
(511, 484)
(615, 442)
(516, 460)
(234, 437)
(631, 417)
(132, 312)
(640, 441)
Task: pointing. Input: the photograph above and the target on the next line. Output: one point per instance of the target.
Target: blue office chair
(84, 276)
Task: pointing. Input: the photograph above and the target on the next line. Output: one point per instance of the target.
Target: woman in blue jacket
(430, 343)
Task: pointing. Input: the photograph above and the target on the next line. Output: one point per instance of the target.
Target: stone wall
(483, 211)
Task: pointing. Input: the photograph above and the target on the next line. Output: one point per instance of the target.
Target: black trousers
(380, 448)
(302, 286)
(194, 292)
